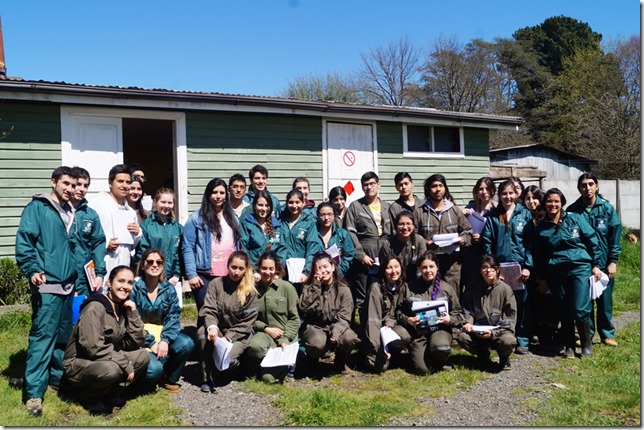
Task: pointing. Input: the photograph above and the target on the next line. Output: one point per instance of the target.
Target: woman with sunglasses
(489, 302)
(229, 311)
(330, 233)
(326, 311)
(158, 306)
(383, 297)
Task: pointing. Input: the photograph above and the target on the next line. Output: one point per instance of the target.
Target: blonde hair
(246, 286)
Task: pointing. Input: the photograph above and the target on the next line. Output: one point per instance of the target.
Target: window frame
(431, 154)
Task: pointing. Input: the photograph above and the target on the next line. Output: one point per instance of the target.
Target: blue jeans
(172, 364)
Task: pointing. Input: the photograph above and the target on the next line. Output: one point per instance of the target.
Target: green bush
(14, 287)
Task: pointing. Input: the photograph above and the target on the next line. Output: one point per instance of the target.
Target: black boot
(568, 329)
(585, 339)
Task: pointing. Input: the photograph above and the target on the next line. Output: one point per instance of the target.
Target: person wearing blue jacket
(330, 233)
(503, 236)
(159, 309)
(162, 231)
(260, 232)
(44, 253)
(299, 233)
(566, 252)
(89, 244)
(603, 217)
(211, 228)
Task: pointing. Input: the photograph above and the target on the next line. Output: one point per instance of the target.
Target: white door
(96, 144)
(350, 154)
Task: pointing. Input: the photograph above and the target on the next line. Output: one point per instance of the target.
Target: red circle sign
(349, 158)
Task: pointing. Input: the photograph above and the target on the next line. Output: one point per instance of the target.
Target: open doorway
(150, 143)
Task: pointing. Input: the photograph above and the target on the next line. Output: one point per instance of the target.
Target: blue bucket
(76, 304)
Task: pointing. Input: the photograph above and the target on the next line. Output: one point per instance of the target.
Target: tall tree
(388, 73)
(463, 78)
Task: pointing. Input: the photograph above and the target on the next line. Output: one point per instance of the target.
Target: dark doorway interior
(150, 142)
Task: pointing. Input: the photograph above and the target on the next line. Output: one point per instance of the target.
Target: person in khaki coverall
(326, 307)
(489, 302)
(430, 346)
(106, 352)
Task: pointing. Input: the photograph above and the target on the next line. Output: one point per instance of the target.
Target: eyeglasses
(370, 185)
(485, 269)
(153, 262)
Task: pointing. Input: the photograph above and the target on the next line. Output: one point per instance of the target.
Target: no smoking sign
(349, 158)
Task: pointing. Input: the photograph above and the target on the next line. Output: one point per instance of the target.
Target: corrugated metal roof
(59, 87)
(544, 147)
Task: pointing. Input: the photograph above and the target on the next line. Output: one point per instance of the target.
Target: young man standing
(367, 220)
(258, 176)
(45, 256)
(90, 240)
(603, 217)
(118, 219)
(236, 192)
(408, 201)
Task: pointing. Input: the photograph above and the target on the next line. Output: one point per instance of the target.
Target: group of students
(365, 265)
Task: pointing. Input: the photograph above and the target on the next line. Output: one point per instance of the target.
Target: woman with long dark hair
(383, 298)
(430, 344)
(210, 235)
(338, 198)
(260, 230)
(326, 311)
(405, 244)
(330, 233)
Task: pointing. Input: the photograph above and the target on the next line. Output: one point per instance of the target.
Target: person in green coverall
(45, 255)
(277, 320)
(603, 217)
(566, 252)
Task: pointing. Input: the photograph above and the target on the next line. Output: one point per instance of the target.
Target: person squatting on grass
(430, 345)
(229, 311)
(490, 302)
(326, 308)
(106, 352)
(277, 320)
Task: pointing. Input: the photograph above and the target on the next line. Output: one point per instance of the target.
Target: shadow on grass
(16, 368)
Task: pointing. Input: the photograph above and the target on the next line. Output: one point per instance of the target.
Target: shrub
(14, 287)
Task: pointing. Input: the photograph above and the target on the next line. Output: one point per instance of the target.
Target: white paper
(476, 221)
(387, 335)
(597, 287)
(295, 267)
(120, 220)
(448, 242)
(483, 328)
(178, 288)
(278, 357)
(221, 353)
(334, 252)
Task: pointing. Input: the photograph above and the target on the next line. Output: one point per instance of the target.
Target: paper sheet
(335, 253)
(120, 220)
(597, 287)
(483, 328)
(477, 222)
(510, 272)
(221, 353)
(387, 335)
(294, 267)
(278, 357)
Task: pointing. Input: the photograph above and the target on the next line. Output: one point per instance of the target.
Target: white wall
(628, 205)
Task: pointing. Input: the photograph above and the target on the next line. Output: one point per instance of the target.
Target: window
(432, 141)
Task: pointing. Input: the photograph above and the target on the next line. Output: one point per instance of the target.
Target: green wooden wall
(29, 152)
(222, 144)
(461, 173)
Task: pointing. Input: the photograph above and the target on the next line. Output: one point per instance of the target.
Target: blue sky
(254, 47)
